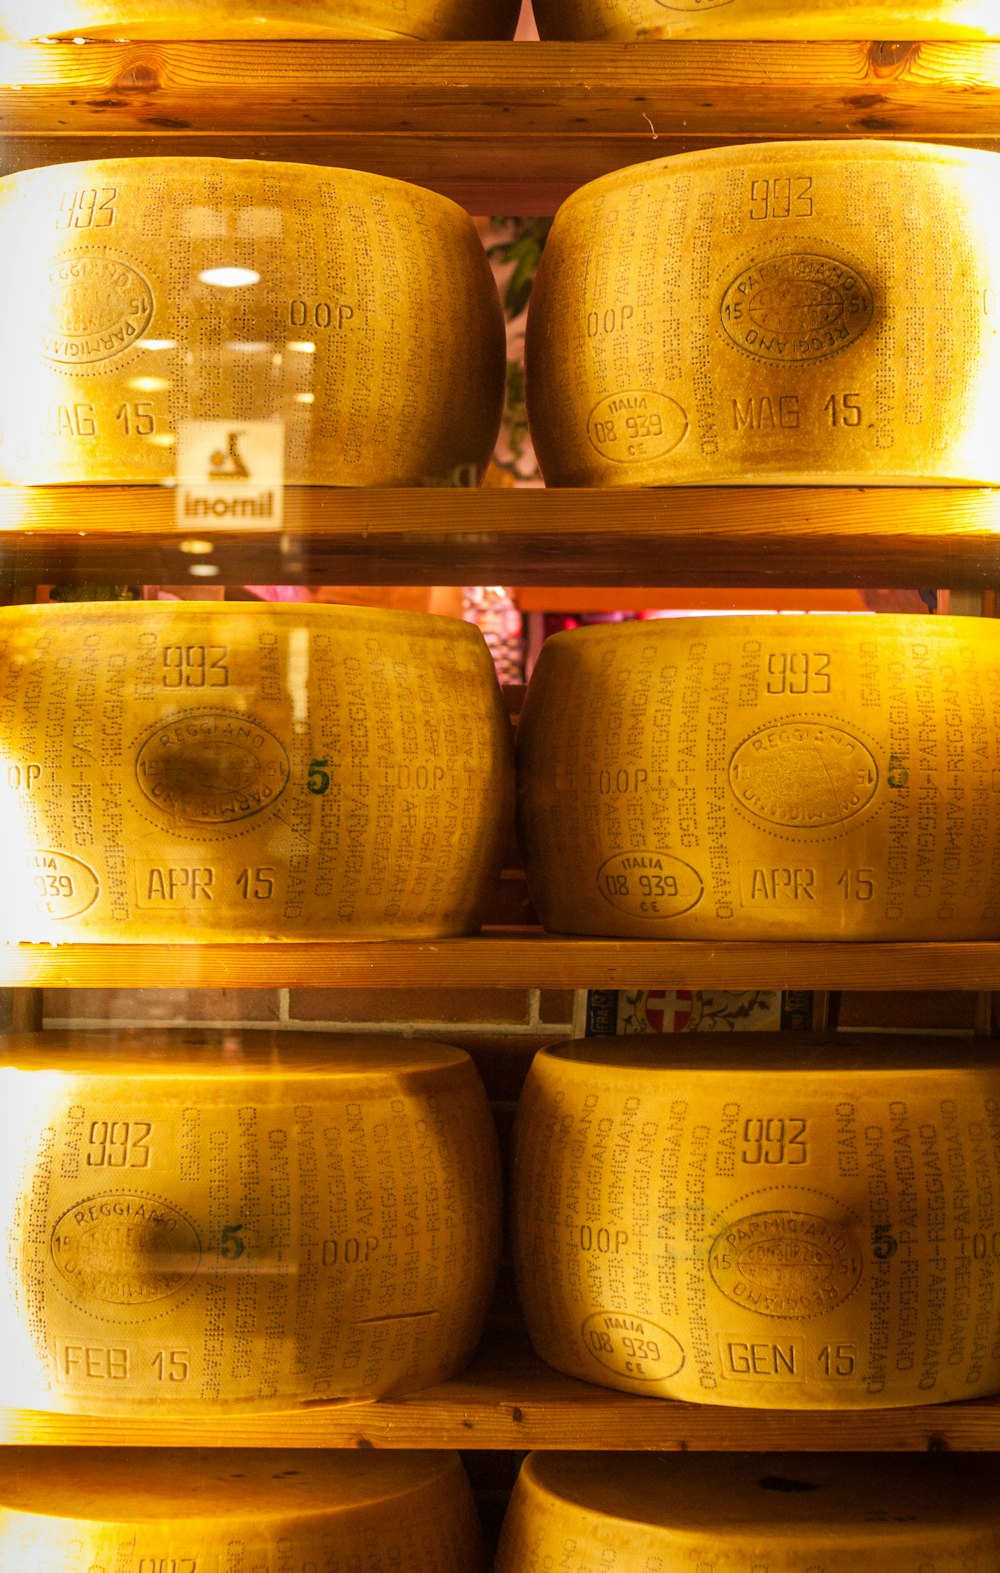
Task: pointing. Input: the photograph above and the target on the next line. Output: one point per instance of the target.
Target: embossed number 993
(195, 666)
(797, 672)
(119, 1144)
(775, 1141)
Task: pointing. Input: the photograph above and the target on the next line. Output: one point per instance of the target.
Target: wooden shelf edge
(441, 114)
(502, 960)
(518, 1403)
(889, 537)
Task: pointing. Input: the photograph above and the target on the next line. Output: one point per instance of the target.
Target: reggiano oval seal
(811, 1229)
(98, 305)
(249, 771)
(789, 305)
(796, 307)
(178, 1510)
(783, 1512)
(210, 768)
(797, 20)
(123, 1249)
(820, 777)
(787, 1263)
(803, 775)
(225, 1222)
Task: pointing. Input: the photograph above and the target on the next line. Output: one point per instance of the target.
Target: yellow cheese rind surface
(786, 1513)
(185, 770)
(194, 19)
(242, 1512)
(817, 1231)
(780, 312)
(763, 19)
(815, 777)
(192, 1228)
(113, 337)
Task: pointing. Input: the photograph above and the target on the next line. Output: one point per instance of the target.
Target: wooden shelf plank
(509, 1400)
(502, 960)
(894, 537)
(444, 115)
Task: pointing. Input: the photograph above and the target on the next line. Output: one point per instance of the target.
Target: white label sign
(230, 474)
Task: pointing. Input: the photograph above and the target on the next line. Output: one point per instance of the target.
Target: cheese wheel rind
(745, 777)
(243, 1223)
(766, 19)
(271, 1510)
(363, 317)
(187, 770)
(276, 19)
(814, 1230)
(789, 1513)
(782, 312)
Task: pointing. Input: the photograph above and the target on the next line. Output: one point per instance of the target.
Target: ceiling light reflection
(229, 277)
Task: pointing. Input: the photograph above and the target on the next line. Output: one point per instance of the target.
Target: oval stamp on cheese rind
(650, 885)
(96, 305)
(631, 427)
(124, 1249)
(803, 775)
(632, 1346)
(64, 886)
(796, 307)
(212, 768)
(692, 5)
(786, 1263)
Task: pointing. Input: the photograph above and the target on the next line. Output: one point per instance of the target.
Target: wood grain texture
(509, 1399)
(894, 537)
(500, 127)
(500, 961)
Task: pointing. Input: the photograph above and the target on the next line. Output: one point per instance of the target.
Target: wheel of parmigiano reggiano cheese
(814, 1230)
(240, 1222)
(778, 312)
(189, 19)
(772, 1512)
(816, 777)
(356, 312)
(762, 19)
(174, 1510)
(179, 770)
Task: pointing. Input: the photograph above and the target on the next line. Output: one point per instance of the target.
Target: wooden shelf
(500, 960)
(509, 1399)
(509, 128)
(894, 537)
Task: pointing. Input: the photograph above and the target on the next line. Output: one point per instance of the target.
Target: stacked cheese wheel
(779, 1512)
(239, 771)
(762, 19)
(242, 1223)
(356, 312)
(779, 312)
(814, 777)
(171, 1510)
(814, 1230)
(190, 19)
